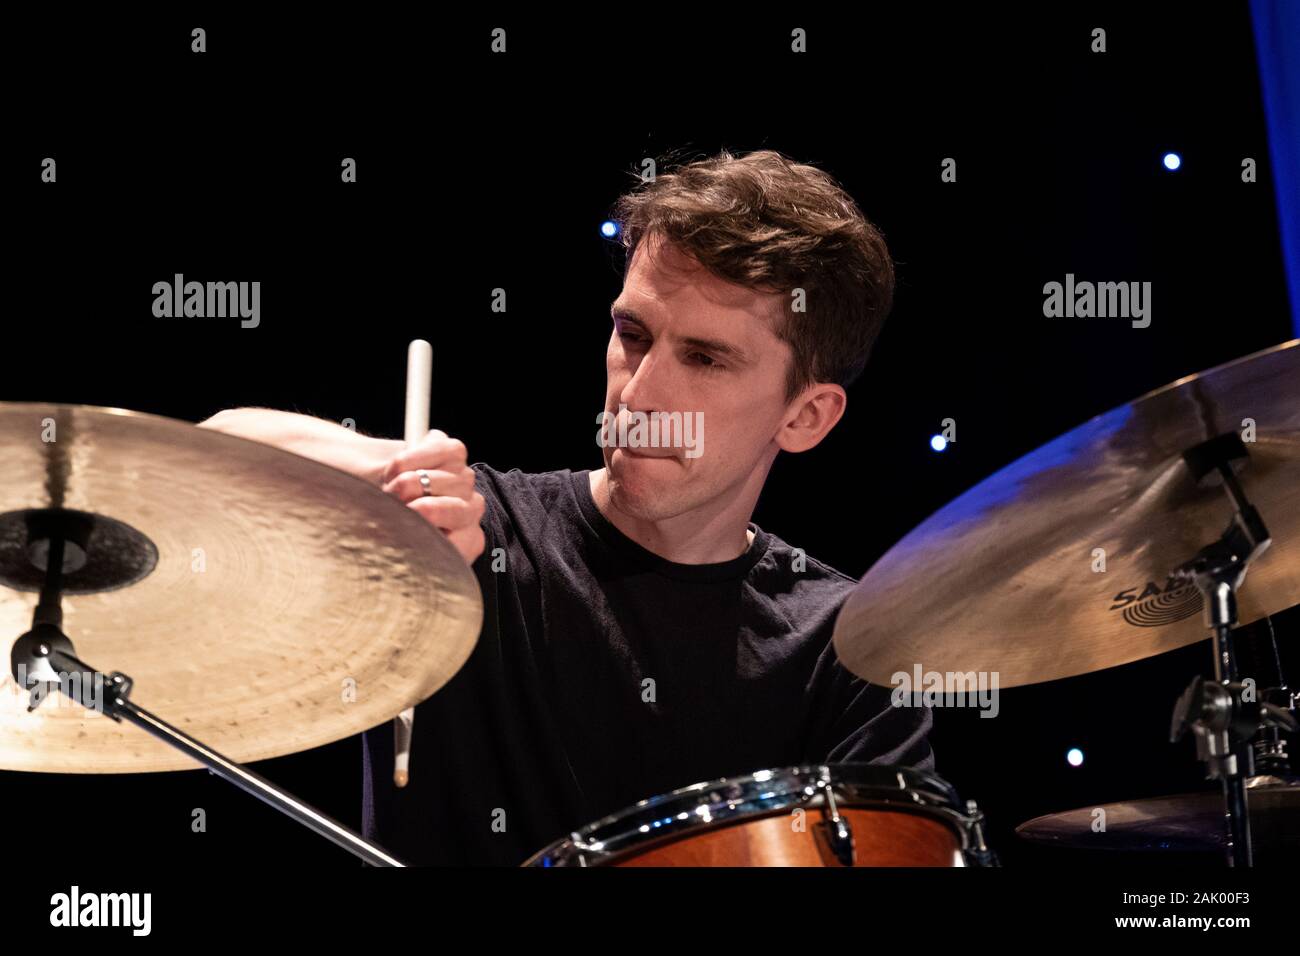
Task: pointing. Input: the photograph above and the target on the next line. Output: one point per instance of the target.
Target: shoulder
(518, 486)
(786, 569)
(796, 587)
(523, 503)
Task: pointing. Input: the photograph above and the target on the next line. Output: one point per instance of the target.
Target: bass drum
(828, 815)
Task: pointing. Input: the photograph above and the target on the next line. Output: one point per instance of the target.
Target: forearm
(324, 441)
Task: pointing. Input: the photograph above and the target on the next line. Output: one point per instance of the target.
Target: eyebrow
(717, 346)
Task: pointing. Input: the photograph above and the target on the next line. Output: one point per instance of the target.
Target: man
(640, 632)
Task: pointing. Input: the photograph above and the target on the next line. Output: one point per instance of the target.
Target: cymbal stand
(44, 659)
(1220, 713)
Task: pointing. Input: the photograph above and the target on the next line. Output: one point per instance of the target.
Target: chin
(644, 487)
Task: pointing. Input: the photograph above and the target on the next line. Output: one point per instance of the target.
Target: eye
(705, 360)
(629, 337)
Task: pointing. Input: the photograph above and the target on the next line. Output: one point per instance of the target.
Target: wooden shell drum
(830, 815)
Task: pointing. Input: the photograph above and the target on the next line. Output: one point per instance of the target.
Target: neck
(715, 532)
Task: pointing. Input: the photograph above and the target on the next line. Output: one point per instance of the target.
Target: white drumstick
(419, 382)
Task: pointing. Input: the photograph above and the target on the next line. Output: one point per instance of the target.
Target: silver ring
(424, 481)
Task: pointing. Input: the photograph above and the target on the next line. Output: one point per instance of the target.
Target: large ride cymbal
(268, 604)
(1002, 578)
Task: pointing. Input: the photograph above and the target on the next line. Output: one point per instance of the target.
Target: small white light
(609, 229)
(1173, 161)
(938, 443)
(1075, 757)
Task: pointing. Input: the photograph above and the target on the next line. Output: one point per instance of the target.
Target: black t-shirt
(605, 674)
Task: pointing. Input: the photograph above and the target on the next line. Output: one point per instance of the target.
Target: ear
(811, 417)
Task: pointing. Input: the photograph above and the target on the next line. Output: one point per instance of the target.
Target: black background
(478, 171)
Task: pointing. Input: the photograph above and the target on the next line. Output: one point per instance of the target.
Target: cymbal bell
(1059, 564)
(261, 601)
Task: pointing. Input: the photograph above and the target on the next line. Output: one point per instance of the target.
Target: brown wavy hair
(769, 224)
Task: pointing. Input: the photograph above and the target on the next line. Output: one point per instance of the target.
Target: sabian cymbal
(1007, 578)
(265, 604)
(1188, 821)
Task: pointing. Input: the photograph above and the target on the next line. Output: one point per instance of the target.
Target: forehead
(675, 293)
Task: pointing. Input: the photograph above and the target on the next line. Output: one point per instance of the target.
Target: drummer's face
(686, 341)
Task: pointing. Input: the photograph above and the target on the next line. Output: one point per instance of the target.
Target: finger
(455, 484)
(435, 451)
(470, 542)
(448, 514)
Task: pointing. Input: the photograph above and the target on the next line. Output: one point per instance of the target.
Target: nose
(645, 390)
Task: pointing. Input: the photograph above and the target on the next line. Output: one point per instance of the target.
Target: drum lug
(838, 832)
(978, 853)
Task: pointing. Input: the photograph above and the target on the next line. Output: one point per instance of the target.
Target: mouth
(647, 452)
